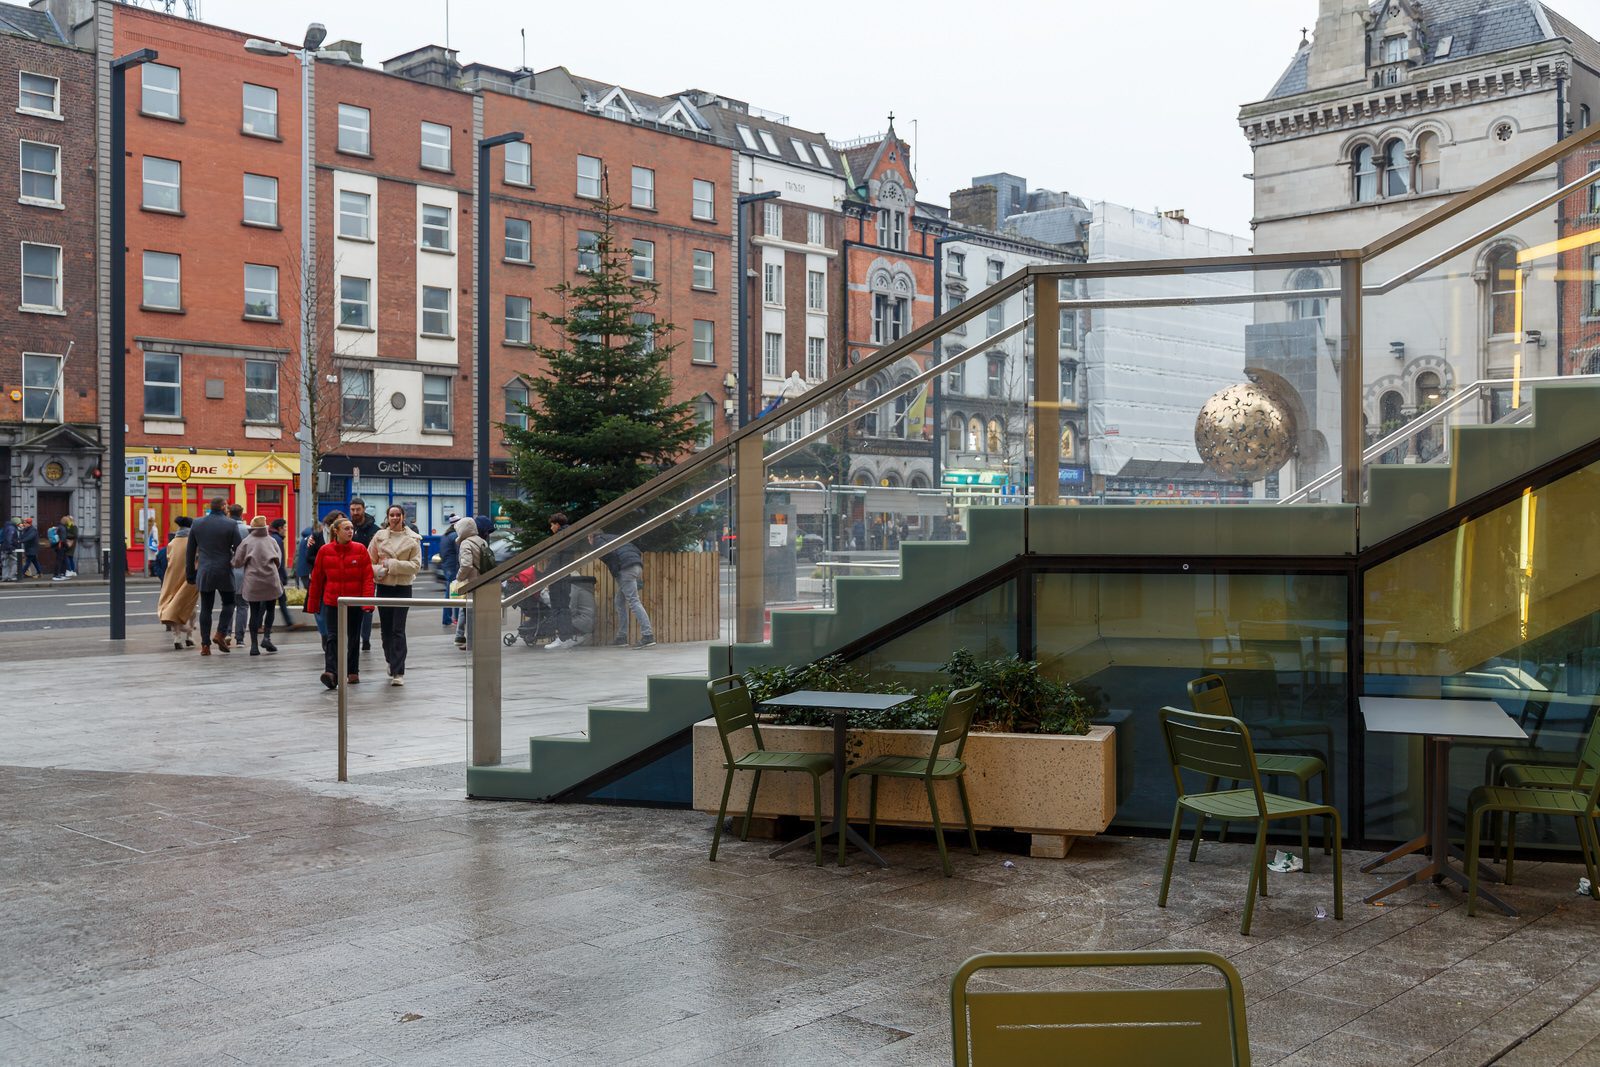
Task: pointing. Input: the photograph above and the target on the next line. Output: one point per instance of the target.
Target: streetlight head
(134, 59)
(265, 48)
(500, 139)
(316, 33)
(332, 55)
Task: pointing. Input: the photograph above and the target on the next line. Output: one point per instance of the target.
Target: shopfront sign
(397, 467)
(183, 470)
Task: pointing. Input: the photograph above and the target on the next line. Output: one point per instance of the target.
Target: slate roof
(1475, 28)
(725, 122)
(26, 22)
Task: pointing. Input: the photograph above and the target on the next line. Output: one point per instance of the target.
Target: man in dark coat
(209, 567)
(626, 564)
(366, 527)
(29, 536)
(449, 561)
(10, 551)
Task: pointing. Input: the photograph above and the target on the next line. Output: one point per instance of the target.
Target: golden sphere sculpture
(1244, 432)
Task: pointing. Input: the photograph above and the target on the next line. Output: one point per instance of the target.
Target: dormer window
(1394, 49)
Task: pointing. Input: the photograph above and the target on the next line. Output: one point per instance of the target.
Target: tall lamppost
(481, 497)
(744, 286)
(118, 361)
(308, 54)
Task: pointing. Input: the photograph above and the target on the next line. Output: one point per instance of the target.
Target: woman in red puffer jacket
(342, 568)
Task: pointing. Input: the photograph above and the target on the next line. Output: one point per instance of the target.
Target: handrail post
(1351, 380)
(1046, 390)
(484, 637)
(750, 544)
(344, 690)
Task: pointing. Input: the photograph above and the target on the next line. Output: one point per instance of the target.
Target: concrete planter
(1053, 786)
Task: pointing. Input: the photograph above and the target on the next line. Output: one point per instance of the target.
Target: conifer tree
(601, 420)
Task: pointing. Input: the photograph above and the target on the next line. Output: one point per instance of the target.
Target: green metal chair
(1578, 800)
(1218, 746)
(954, 726)
(1197, 1027)
(731, 707)
(1208, 695)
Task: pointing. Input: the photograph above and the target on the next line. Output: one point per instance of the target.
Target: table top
(1439, 718)
(811, 698)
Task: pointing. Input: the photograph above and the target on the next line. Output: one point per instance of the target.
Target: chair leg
(966, 810)
(844, 816)
(872, 812)
(1474, 824)
(1200, 822)
(1338, 862)
(1511, 846)
(1305, 826)
(1585, 846)
(938, 828)
(1496, 830)
(750, 809)
(1172, 854)
(1327, 825)
(1258, 876)
(816, 814)
(722, 813)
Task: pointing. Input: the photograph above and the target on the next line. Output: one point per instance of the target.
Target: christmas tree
(601, 420)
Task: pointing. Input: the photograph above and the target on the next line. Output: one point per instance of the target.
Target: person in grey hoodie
(475, 559)
(260, 561)
(626, 564)
(241, 609)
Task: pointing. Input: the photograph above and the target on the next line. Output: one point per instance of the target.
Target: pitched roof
(26, 22)
(1473, 28)
(732, 126)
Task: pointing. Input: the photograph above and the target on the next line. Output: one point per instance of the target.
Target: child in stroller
(536, 622)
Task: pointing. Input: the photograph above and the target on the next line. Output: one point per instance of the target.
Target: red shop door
(268, 502)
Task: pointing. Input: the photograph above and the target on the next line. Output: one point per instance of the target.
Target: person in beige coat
(396, 558)
(176, 607)
(260, 560)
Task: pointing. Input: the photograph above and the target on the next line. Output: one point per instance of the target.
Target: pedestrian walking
(474, 560)
(626, 564)
(560, 590)
(209, 567)
(365, 528)
(29, 533)
(305, 554)
(342, 569)
(58, 542)
(241, 608)
(396, 554)
(11, 550)
(449, 561)
(69, 543)
(259, 559)
(276, 529)
(175, 609)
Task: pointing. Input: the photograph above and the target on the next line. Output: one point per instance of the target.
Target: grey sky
(1132, 102)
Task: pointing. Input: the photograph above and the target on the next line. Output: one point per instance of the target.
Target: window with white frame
(996, 319)
(1503, 286)
(41, 172)
(800, 149)
(772, 355)
(890, 317)
(705, 413)
(163, 185)
(436, 227)
(648, 322)
(816, 358)
(746, 137)
(644, 260)
(436, 402)
(996, 270)
(519, 240)
(953, 300)
(772, 219)
(891, 229)
(589, 181)
(705, 341)
(822, 155)
(1069, 382)
(1069, 330)
(355, 303)
(772, 283)
(163, 385)
(1594, 285)
(163, 281)
(1364, 174)
(516, 404)
(158, 90)
(997, 376)
(260, 391)
(955, 380)
(260, 110)
(588, 251)
(644, 187)
(355, 215)
(260, 200)
(519, 320)
(355, 130)
(768, 142)
(1594, 189)
(38, 94)
(436, 311)
(705, 200)
(260, 291)
(816, 228)
(705, 269)
(1396, 169)
(41, 277)
(519, 163)
(816, 291)
(355, 399)
(435, 146)
(955, 264)
(41, 387)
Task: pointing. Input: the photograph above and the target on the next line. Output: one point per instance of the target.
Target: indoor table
(1438, 723)
(841, 705)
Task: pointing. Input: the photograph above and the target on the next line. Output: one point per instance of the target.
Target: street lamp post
(744, 287)
(481, 496)
(118, 361)
(307, 55)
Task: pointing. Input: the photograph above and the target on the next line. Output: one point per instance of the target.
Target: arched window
(1428, 391)
(1068, 444)
(1365, 170)
(956, 423)
(1396, 169)
(1427, 162)
(974, 434)
(869, 420)
(891, 480)
(705, 413)
(1503, 290)
(1389, 408)
(996, 438)
(1311, 307)
(899, 424)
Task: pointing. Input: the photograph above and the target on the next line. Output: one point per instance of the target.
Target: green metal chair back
(732, 708)
(1589, 758)
(955, 724)
(1217, 746)
(1208, 695)
(1197, 1027)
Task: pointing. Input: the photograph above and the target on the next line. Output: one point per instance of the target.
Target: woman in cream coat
(396, 558)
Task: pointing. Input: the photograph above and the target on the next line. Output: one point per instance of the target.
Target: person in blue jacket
(449, 561)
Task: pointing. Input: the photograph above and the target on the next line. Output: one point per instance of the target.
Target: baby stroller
(536, 620)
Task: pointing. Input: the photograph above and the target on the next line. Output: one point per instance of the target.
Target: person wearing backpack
(475, 559)
(58, 544)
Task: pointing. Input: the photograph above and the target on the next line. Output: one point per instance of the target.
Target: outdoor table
(1438, 723)
(841, 704)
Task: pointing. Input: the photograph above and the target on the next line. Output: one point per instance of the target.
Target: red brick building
(50, 441)
(1578, 268)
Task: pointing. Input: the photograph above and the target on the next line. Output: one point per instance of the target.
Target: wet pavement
(255, 911)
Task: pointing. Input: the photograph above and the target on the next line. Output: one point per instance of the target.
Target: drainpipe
(1561, 105)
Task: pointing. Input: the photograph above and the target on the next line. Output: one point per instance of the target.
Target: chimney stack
(1339, 50)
